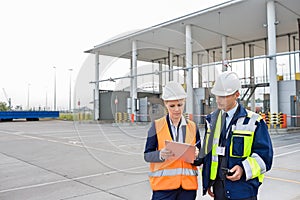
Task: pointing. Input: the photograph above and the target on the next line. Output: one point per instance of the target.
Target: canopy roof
(242, 21)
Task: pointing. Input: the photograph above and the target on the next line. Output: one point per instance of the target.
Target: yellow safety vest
(240, 130)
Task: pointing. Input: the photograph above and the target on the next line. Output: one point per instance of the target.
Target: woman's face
(175, 108)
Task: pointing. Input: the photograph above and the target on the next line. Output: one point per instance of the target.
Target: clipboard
(182, 151)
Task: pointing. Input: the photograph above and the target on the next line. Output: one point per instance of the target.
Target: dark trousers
(219, 192)
(178, 194)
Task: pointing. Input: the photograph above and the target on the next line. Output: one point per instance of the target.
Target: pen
(199, 141)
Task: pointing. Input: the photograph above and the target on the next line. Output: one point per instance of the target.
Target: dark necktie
(223, 130)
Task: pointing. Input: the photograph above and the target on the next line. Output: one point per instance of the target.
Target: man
(238, 149)
(172, 179)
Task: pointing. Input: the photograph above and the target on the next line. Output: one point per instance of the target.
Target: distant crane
(8, 99)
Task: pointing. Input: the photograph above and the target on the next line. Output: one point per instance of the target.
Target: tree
(3, 106)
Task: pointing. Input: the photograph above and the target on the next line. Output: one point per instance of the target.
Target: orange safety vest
(171, 174)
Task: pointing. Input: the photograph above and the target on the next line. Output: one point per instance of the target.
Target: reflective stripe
(254, 166)
(214, 158)
(260, 162)
(247, 168)
(174, 172)
(239, 124)
(208, 126)
(251, 124)
(207, 138)
(214, 161)
(246, 127)
(216, 141)
(253, 118)
(243, 132)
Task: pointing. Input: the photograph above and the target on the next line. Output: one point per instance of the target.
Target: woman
(170, 178)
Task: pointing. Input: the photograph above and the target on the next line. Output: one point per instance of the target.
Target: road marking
(287, 153)
(121, 152)
(286, 146)
(285, 169)
(70, 179)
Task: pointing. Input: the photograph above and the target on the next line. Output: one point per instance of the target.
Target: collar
(232, 111)
(181, 123)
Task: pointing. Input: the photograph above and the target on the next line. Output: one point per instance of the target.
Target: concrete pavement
(53, 160)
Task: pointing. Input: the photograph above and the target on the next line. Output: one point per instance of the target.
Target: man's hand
(166, 153)
(237, 173)
(210, 192)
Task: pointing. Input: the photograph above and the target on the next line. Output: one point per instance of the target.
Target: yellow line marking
(284, 180)
(285, 169)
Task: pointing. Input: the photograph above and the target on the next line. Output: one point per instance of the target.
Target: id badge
(220, 151)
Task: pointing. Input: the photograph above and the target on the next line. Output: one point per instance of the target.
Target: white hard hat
(173, 91)
(226, 84)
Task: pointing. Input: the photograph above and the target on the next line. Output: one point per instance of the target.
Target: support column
(252, 81)
(165, 69)
(244, 54)
(200, 57)
(266, 53)
(160, 77)
(214, 66)
(189, 65)
(134, 79)
(208, 85)
(298, 20)
(272, 60)
(290, 59)
(294, 49)
(96, 90)
(171, 78)
(224, 53)
(184, 70)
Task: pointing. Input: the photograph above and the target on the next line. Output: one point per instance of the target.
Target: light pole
(70, 92)
(54, 106)
(46, 102)
(28, 96)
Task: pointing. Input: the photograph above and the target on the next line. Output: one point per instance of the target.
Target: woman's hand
(166, 153)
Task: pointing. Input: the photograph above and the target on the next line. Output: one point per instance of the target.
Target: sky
(43, 40)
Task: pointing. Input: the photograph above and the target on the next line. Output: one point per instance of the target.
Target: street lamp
(54, 107)
(46, 102)
(70, 92)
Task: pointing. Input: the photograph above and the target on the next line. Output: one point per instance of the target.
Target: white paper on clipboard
(182, 151)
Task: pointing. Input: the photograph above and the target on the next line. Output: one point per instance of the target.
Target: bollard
(125, 117)
(132, 118)
(267, 119)
(282, 120)
(274, 120)
(119, 117)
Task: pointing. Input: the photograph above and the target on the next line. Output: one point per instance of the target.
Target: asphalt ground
(53, 160)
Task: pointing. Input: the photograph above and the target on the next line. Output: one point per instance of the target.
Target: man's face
(175, 108)
(226, 103)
